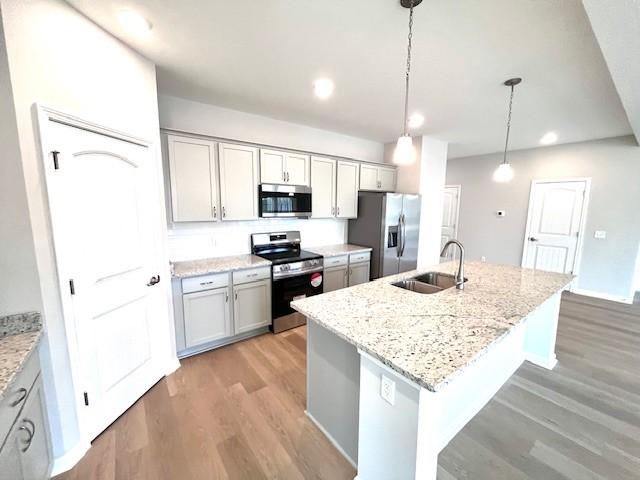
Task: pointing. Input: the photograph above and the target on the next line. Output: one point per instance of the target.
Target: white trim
(583, 219)
(602, 295)
(548, 363)
(70, 458)
(172, 365)
(332, 440)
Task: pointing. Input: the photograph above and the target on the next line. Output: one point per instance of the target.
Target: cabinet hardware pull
(338, 210)
(284, 178)
(31, 433)
(333, 210)
(153, 280)
(226, 297)
(23, 394)
(224, 212)
(206, 283)
(236, 295)
(215, 213)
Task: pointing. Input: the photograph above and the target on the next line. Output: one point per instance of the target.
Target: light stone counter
(339, 249)
(204, 266)
(19, 337)
(430, 339)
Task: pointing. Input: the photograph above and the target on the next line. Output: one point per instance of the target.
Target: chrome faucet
(460, 273)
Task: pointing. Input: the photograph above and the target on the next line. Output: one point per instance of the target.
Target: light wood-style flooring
(238, 413)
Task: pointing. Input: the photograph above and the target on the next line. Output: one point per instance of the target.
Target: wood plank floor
(238, 413)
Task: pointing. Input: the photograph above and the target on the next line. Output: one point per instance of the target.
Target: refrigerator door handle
(400, 236)
(404, 233)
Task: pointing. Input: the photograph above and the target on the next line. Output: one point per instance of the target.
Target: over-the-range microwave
(284, 200)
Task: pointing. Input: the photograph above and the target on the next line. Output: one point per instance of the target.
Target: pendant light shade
(405, 153)
(504, 173)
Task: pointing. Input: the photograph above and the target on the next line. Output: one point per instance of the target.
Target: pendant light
(504, 172)
(405, 153)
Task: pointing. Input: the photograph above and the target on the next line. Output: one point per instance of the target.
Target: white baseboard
(172, 365)
(70, 458)
(332, 440)
(548, 363)
(603, 296)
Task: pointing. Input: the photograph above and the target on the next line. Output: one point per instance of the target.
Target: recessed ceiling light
(323, 88)
(134, 23)
(416, 120)
(549, 138)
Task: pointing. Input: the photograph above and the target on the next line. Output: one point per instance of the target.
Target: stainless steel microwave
(284, 200)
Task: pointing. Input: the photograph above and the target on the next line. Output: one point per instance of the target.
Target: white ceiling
(261, 56)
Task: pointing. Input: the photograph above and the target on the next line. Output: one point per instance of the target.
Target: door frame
(583, 219)
(58, 262)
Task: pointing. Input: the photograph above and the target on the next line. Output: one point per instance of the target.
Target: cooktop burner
(278, 257)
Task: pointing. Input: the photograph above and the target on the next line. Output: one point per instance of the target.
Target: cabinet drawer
(246, 276)
(15, 397)
(336, 261)
(359, 257)
(205, 282)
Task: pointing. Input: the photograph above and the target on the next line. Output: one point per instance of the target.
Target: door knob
(153, 280)
(533, 239)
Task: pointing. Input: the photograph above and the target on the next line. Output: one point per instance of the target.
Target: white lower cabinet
(251, 305)
(207, 316)
(358, 273)
(336, 278)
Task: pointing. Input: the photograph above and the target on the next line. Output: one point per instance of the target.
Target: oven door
(284, 200)
(286, 290)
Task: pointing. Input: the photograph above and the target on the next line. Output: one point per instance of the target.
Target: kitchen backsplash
(193, 240)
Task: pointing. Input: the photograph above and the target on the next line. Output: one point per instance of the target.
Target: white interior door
(450, 213)
(554, 223)
(103, 199)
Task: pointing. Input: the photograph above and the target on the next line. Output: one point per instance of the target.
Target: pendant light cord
(405, 128)
(506, 141)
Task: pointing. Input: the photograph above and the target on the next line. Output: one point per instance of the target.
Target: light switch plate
(388, 389)
(600, 234)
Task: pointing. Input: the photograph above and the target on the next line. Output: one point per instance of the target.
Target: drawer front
(336, 261)
(205, 282)
(246, 276)
(359, 257)
(16, 396)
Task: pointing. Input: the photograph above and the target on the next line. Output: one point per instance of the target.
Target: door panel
(206, 316)
(368, 177)
(37, 458)
(387, 179)
(251, 306)
(102, 202)
(193, 174)
(335, 278)
(238, 181)
(323, 187)
(450, 220)
(410, 232)
(358, 273)
(392, 234)
(347, 190)
(297, 168)
(553, 226)
(272, 166)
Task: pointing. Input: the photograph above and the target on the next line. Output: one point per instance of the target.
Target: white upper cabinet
(284, 167)
(238, 181)
(323, 187)
(348, 174)
(379, 178)
(194, 182)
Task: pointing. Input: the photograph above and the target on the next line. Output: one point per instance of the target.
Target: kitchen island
(393, 375)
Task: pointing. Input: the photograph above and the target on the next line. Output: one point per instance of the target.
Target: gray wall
(607, 266)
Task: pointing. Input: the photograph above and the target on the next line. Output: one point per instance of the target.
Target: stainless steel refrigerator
(390, 224)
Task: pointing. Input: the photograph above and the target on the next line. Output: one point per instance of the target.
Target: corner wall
(607, 266)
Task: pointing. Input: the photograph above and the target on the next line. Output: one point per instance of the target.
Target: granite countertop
(339, 249)
(19, 336)
(203, 266)
(430, 339)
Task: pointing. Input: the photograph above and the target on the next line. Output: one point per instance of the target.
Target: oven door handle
(296, 274)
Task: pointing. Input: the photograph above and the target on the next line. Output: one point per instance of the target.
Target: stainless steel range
(296, 274)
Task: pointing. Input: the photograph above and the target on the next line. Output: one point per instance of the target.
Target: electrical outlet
(483, 258)
(600, 234)
(388, 389)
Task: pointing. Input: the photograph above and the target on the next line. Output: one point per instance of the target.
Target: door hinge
(72, 287)
(56, 164)
(86, 399)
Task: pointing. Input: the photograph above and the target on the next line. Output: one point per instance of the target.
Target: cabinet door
(368, 177)
(323, 187)
(347, 190)
(335, 278)
(33, 438)
(387, 179)
(297, 169)
(252, 306)
(358, 273)
(194, 179)
(206, 316)
(238, 181)
(272, 166)
(10, 467)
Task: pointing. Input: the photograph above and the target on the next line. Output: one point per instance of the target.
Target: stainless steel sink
(430, 282)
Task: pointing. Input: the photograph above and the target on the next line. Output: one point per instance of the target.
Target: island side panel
(541, 331)
(333, 388)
